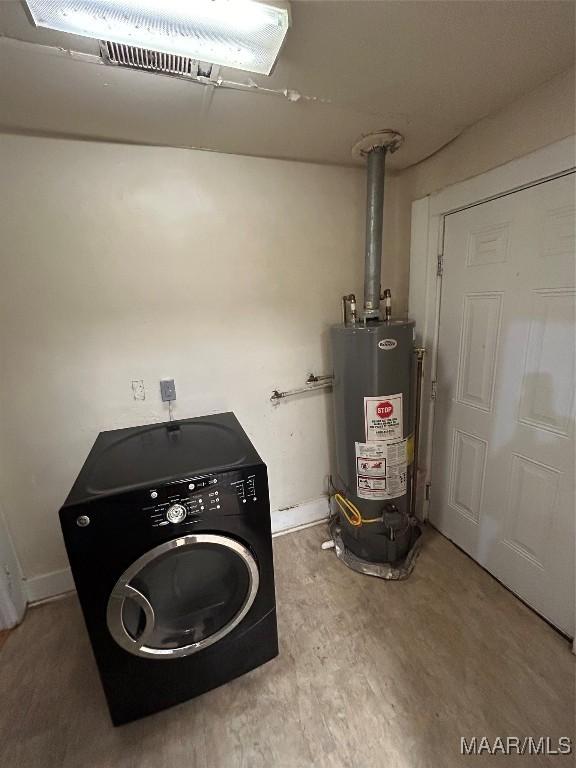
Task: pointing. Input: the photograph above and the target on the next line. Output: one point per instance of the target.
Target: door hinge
(427, 492)
(440, 265)
(434, 391)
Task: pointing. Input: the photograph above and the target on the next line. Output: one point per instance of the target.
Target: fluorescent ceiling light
(245, 34)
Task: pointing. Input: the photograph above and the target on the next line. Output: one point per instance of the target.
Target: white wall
(123, 263)
(536, 120)
(225, 272)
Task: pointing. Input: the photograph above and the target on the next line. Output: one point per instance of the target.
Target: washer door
(182, 596)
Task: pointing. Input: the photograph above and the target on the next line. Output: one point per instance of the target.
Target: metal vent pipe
(376, 163)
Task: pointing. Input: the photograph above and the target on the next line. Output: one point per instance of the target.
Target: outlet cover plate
(167, 390)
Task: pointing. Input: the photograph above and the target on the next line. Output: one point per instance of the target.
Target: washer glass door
(182, 596)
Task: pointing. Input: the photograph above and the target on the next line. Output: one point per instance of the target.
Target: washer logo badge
(387, 344)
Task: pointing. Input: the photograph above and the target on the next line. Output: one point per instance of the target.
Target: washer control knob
(153, 494)
(83, 521)
(176, 513)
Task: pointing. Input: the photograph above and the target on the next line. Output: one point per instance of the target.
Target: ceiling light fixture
(244, 34)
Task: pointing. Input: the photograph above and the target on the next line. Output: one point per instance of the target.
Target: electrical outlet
(167, 389)
(138, 389)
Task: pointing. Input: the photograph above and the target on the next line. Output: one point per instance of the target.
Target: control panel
(184, 502)
(245, 488)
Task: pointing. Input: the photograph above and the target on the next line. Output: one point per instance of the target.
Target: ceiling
(427, 69)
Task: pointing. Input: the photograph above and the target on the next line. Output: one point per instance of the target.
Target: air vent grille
(156, 61)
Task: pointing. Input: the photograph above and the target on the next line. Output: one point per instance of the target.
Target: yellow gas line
(352, 513)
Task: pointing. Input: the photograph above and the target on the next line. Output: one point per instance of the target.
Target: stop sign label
(383, 417)
(385, 409)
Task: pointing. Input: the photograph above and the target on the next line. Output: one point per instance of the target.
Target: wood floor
(370, 674)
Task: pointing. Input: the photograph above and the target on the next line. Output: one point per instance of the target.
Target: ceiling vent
(155, 61)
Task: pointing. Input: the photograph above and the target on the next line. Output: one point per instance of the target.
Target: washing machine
(167, 529)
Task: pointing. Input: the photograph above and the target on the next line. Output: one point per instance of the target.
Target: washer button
(153, 494)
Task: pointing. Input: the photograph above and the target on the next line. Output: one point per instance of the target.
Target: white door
(503, 463)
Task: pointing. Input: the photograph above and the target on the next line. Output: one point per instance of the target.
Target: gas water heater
(374, 394)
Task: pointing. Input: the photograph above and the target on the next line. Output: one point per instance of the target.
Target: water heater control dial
(176, 513)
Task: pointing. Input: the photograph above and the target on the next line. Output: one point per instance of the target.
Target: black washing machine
(167, 530)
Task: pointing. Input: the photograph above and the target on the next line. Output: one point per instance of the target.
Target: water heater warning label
(381, 469)
(383, 417)
(371, 487)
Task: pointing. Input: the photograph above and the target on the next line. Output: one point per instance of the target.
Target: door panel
(503, 464)
(478, 348)
(533, 488)
(467, 477)
(488, 245)
(548, 380)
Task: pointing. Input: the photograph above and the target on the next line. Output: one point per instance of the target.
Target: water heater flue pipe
(374, 148)
(376, 164)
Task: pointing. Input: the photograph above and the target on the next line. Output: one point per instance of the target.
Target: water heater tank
(374, 385)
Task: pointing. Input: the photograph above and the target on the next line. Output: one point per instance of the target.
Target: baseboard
(289, 531)
(51, 585)
(48, 585)
(302, 514)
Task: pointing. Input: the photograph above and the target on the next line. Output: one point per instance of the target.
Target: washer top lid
(126, 459)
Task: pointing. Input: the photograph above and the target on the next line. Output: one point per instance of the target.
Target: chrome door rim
(123, 589)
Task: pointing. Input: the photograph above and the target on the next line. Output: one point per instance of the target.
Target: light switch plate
(167, 389)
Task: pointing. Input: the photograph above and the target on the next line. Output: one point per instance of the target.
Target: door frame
(426, 254)
(12, 597)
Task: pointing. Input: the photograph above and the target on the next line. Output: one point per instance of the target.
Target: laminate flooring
(370, 674)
